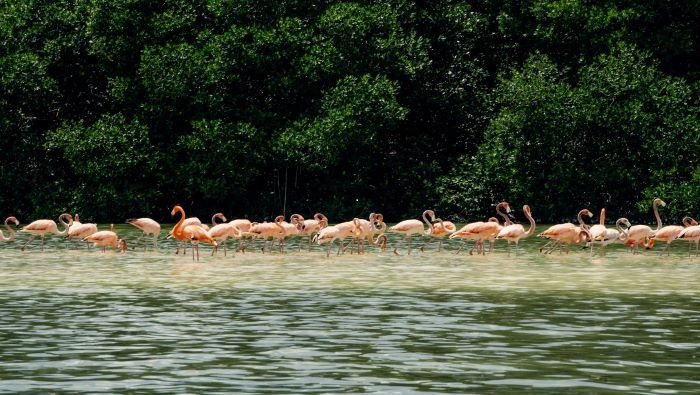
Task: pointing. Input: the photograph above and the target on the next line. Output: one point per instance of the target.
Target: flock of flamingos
(373, 230)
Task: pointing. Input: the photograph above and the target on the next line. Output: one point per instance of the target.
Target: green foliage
(615, 138)
(125, 107)
(114, 164)
(352, 116)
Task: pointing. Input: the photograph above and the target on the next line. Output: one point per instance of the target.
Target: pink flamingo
(345, 229)
(192, 233)
(106, 238)
(312, 226)
(692, 235)
(148, 227)
(612, 235)
(670, 232)
(188, 222)
(327, 235)
(515, 232)
(78, 230)
(598, 230)
(480, 231)
(243, 225)
(567, 233)
(465, 233)
(441, 229)
(638, 235)
(221, 232)
(410, 227)
(294, 227)
(366, 229)
(267, 230)
(41, 227)
(10, 231)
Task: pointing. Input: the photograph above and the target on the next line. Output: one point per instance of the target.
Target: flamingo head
(585, 211)
(176, 209)
(121, 245)
(12, 219)
(659, 201)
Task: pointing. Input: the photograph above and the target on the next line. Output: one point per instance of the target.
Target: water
(73, 320)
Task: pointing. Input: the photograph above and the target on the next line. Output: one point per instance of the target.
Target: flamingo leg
(34, 237)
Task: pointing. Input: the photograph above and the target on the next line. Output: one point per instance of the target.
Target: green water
(80, 321)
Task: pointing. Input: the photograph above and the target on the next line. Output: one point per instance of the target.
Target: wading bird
(411, 227)
(567, 233)
(148, 227)
(106, 238)
(41, 227)
(10, 232)
(515, 232)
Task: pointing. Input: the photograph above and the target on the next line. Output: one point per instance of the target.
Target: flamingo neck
(580, 219)
(656, 214)
(602, 216)
(531, 229)
(623, 232)
(506, 219)
(219, 216)
(425, 219)
(65, 224)
(177, 230)
(11, 233)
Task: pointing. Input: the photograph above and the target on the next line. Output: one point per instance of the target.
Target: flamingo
(441, 229)
(465, 234)
(294, 227)
(106, 238)
(327, 235)
(41, 227)
(638, 235)
(243, 225)
(515, 232)
(193, 233)
(366, 229)
(598, 230)
(566, 233)
(312, 226)
(79, 230)
(10, 231)
(268, 230)
(148, 227)
(670, 232)
(480, 231)
(410, 227)
(611, 235)
(223, 231)
(183, 243)
(378, 228)
(345, 229)
(692, 235)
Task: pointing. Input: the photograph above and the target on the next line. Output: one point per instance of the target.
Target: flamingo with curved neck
(11, 232)
(515, 232)
(480, 231)
(612, 235)
(566, 233)
(640, 235)
(671, 232)
(410, 227)
(41, 227)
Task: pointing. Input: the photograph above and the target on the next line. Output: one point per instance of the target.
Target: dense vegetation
(119, 108)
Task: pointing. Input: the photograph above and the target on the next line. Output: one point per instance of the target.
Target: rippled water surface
(73, 320)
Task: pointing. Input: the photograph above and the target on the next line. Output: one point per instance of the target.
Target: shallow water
(75, 320)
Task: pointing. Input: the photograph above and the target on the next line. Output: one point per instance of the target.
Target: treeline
(120, 108)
